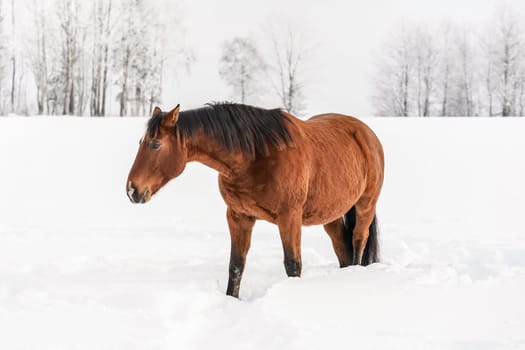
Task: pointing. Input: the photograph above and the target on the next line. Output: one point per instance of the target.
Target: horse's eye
(140, 142)
(154, 145)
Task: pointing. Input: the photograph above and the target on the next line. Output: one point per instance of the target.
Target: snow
(83, 268)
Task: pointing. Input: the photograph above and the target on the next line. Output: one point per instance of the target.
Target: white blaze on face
(131, 190)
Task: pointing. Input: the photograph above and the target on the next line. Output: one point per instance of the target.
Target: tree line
(79, 55)
(78, 58)
(453, 70)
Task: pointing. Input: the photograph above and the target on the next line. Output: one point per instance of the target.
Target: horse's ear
(156, 111)
(171, 119)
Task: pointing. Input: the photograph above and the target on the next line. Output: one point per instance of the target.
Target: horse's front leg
(290, 230)
(241, 234)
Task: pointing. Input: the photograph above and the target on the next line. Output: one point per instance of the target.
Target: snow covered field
(83, 268)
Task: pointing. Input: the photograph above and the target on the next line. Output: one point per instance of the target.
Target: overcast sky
(346, 35)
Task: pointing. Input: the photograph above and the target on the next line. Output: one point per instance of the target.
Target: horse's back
(331, 122)
(335, 129)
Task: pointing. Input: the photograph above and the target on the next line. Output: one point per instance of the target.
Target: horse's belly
(328, 201)
(315, 214)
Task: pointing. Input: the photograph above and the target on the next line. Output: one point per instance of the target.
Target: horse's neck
(211, 154)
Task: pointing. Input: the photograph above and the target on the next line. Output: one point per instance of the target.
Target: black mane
(235, 126)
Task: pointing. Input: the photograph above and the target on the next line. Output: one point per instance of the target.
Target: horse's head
(161, 157)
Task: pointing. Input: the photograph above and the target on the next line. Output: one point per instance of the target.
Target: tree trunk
(444, 109)
(124, 92)
(13, 57)
(405, 91)
(107, 33)
(489, 87)
(104, 82)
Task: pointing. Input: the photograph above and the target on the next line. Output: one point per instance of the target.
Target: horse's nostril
(132, 192)
(145, 196)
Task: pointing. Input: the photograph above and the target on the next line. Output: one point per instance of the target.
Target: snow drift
(82, 268)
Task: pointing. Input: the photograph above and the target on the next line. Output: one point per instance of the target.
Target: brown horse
(327, 171)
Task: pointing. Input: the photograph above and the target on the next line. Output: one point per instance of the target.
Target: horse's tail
(371, 253)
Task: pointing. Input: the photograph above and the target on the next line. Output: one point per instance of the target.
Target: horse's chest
(249, 200)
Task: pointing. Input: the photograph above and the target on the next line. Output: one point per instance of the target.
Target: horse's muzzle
(135, 196)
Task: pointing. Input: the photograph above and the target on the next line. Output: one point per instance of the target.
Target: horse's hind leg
(241, 233)
(290, 231)
(335, 230)
(365, 210)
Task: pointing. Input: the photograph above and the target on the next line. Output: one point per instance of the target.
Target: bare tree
(10, 71)
(81, 76)
(71, 33)
(425, 62)
(241, 66)
(465, 82)
(13, 56)
(504, 55)
(38, 56)
(488, 55)
(2, 58)
(509, 56)
(100, 37)
(130, 56)
(445, 66)
(287, 71)
(122, 66)
(520, 108)
(394, 81)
